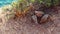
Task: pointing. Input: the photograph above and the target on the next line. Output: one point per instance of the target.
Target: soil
(26, 25)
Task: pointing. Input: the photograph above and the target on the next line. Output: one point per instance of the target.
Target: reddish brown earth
(26, 26)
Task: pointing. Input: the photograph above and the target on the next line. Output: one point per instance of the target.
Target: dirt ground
(25, 26)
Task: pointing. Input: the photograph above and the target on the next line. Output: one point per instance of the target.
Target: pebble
(34, 18)
(44, 18)
(39, 13)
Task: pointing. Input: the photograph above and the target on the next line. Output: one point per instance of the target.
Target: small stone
(0, 20)
(45, 18)
(39, 13)
(34, 18)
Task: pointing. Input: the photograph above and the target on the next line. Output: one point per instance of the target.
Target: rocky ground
(26, 26)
